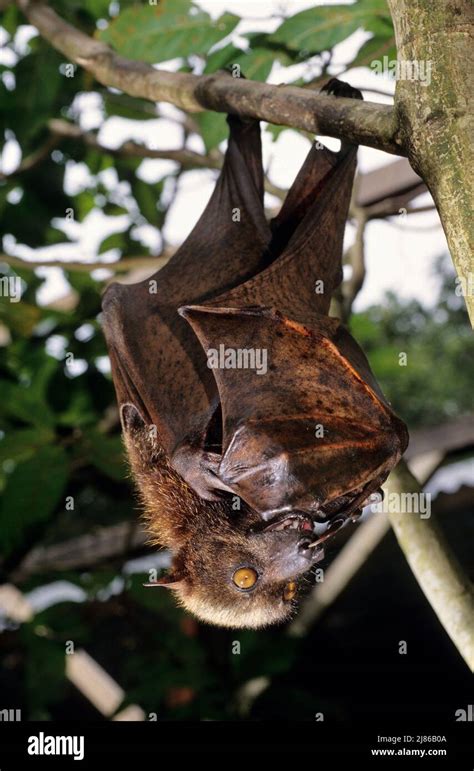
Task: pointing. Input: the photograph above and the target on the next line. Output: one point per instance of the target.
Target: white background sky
(400, 255)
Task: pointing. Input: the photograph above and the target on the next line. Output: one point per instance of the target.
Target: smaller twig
(383, 211)
(188, 159)
(343, 568)
(95, 548)
(33, 160)
(355, 257)
(413, 228)
(357, 550)
(80, 669)
(121, 266)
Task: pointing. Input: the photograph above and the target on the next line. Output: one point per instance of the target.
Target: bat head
(229, 567)
(243, 575)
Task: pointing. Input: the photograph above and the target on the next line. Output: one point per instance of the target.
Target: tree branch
(355, 257)
(105, 543)
(33, 160)
(120, 266)
(364, 123)
(187, 159)
(388, 209)
(366, 537)
(437, 119)
(430, 123)
(436, 568)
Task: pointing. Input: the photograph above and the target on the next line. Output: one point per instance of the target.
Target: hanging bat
(253, 423)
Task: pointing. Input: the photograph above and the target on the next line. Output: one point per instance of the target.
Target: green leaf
(97, 8)
(318, 29)
(255, 63)
(374, 50)
(378, 19)
(172, 29)
(20, 444)
(79, 411)
(45, 676)
(83, 204)
(55, 236)
(114, 210)
(321, 28)
(20, 402)
(213, 127)
(114, 241)
(20, 317)
(39, 83)
(147, 197)
(98, 161)
(32, 492)
(222, 58)
(104, 452)
(125, 106)
(275, 130)
(10, 19)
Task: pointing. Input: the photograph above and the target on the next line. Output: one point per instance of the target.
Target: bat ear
(131, 418)
(170, 581)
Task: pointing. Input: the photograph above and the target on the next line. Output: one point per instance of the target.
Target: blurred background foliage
(59, 431)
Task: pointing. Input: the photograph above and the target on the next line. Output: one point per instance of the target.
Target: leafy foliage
(321, 28)
(441, 335)
(59, 431)
(175, 28)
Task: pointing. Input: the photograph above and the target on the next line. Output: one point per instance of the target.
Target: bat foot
(199, 469)
(335, 87)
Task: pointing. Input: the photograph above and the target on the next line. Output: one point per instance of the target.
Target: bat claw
(334, 526)
(335, 87)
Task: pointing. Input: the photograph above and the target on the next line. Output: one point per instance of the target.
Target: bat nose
(304, 549)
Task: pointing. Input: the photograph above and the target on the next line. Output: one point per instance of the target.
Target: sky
(400, 254)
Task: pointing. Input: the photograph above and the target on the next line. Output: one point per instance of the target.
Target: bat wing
(157, 362)
(243, 285)
(310, 427)
(297, 276)
(304, 421)
(304, 267)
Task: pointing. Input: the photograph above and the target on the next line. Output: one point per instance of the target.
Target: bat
(254, 426)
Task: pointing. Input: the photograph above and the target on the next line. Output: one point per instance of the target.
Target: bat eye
(245, 578)
(289, 591)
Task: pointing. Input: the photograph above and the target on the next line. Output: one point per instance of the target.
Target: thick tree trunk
(436, 121)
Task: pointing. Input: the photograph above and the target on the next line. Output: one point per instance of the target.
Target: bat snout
(289, 521)
(304, 549)
(289, 538)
